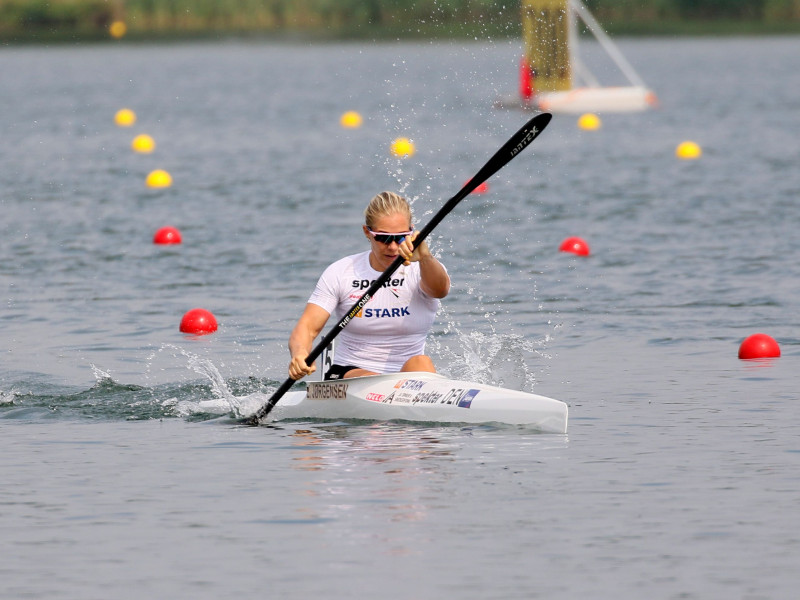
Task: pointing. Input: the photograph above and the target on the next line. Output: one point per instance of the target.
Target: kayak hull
(587, 99)
(422, 397)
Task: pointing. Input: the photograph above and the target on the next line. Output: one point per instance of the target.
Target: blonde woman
(389, 333)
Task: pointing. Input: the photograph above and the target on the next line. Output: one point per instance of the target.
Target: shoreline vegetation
(44, 21)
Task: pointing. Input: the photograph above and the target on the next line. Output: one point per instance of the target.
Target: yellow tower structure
(546, 32)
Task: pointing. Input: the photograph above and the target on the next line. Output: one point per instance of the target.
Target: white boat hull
(602, 100)
(423, 397)
(586, 100)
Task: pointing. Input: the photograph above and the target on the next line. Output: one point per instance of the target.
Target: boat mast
(609, 46)
(581, 73)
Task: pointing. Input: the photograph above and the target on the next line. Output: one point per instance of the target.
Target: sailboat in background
(552, 76)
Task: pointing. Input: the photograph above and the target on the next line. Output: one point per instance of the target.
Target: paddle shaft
(516, 144)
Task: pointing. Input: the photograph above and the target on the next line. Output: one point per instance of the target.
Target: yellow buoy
(159, 179)
(589, 121)
(688, 151)
(402, 147)
(125, 117)
(117, 29)
(351, 120)
(143, 143)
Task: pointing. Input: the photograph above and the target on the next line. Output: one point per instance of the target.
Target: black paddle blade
(516, 144)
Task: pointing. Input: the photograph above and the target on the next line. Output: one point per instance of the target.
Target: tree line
(755, 10)
(28, 18)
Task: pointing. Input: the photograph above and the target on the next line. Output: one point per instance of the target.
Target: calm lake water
(680, 474)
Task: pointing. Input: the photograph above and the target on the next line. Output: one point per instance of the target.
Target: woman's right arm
(303, 335)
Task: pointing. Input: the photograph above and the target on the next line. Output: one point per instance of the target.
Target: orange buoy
(351, 120)
(117, 29)
(402, 147)
(589, 122)
(143, 143)
(575, 245)
(688, 150)
(125, 117)
(158, 179)
(167, 235)
(759, 345)
(198, 321)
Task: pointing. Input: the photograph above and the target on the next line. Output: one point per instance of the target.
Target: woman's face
(383, 255)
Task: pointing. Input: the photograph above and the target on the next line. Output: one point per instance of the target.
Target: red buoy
(575, 245)
(167, 235)
(759, 345)
(198, 321)
(481, 189)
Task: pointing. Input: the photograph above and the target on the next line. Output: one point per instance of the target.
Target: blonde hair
(386, 203)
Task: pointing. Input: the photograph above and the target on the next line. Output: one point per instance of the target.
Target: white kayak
(425, 397)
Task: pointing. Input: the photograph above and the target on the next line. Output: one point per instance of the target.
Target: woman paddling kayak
(389, 333)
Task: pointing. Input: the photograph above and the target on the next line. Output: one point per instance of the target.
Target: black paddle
(510, 149)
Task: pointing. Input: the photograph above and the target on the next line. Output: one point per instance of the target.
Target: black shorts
(338, 371)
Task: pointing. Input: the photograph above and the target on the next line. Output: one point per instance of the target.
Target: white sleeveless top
(393, 325)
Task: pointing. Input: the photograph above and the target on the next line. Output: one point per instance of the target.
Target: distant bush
(751, 10)
(443, 17)
(54, 14)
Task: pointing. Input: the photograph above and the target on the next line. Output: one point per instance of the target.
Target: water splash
(211, 398)
(490, 358)
(7, 398)
(223, 400)
(104, 400)
(102, 377)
